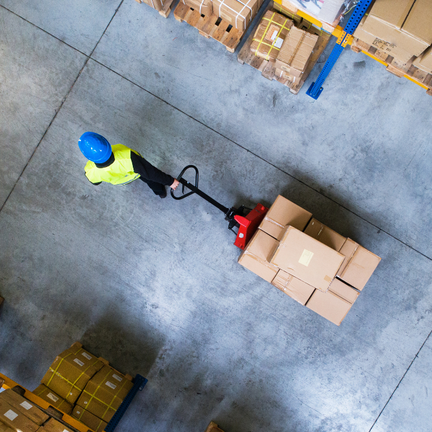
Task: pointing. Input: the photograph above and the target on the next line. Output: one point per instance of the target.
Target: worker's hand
(175, 184)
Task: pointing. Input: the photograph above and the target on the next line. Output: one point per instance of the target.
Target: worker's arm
(98, 183)
(146, 170)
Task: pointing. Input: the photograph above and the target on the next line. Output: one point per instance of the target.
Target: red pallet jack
(246, 220)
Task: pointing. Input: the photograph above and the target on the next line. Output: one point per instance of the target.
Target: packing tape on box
(266, 218)
(93, 396)
(101, 421)
(261, 42)
(245, 5)
(260, 260)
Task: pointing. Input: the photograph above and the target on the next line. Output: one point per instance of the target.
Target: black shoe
(163, 194)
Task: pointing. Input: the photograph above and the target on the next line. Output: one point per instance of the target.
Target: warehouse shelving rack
(138, 384)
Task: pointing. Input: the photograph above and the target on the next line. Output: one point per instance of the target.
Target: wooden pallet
(407, 70)
(267, 67)
(210, 26)
(167, 7)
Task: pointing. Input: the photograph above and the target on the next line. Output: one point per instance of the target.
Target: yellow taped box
(23, 406)
(71, 371)
(204, 7)
(104, 393)
(239, 13)
(12, 417)
(52, 425)
(89, 419)
(270, 35)
(53, 399)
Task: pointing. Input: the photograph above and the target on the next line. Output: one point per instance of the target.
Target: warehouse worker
(120, 165)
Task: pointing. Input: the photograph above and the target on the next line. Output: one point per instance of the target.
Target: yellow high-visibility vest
(120, 172)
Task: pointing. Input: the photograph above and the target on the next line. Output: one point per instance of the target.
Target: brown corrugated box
(52, 425)
(424, 62)
(24, 406)
(70, 372)
(204, 7)
(344, 291)
(257, 254)
(53, 399)
(12, 417)
(5, 428)
(104, 393)
(358, 265)
(307, 259)
(295, 288)
(89, 419)
(155, 4)
(213, 427)
(239, 13)
(402, 23)
(281, 214)
(325, 235)
(270, 34)
(296, 51)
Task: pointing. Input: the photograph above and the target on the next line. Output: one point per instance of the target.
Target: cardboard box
(418, 21)
(239, 13)
(70, 372)
(270, 35)
(281, 214)
(307, 259)
(24, 406)
(5, 428)
(104, 393)
(296, 51)
(400, 23)
(344, 291)
(53, 399)
(295, 288)
(204, 7)
(358, 265)
(257, 254)
(89, 419)
(213, 427)
(325, 235)
(424, 62)
(12, 417)
(52, 425)
(329, 305)
(155, 4)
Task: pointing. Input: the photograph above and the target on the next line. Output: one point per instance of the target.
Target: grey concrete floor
(153, 285)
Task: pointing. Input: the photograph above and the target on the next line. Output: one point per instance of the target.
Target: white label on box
(79, 362)
(87, 356)
(11, 415)
(117, 377)
(273, 36)
(111, 385)
(306, 257)
(26, 405)
(52, 397)
(278, 43)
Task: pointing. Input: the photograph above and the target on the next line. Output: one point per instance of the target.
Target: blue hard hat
(94, 147)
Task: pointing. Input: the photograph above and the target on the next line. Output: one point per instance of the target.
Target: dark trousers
(157, 188)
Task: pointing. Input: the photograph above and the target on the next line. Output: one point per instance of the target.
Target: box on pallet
(296, 51)
(239, 13)
(325, 235)
(270, 35)
(358, 265)
(104, 393)
(204, 7)
(15, 419)
(155, 4)
(52, 425)
(284, 213)
(71, 371)
(23, 406)
(257, 254)
(424, 62)
(335, 303)
(307, 259)
(5, 428)
(295, 288)
(403, 24)
(53, 399)
(89, 419)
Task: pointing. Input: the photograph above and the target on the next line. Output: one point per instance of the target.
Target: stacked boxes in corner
(317, 267)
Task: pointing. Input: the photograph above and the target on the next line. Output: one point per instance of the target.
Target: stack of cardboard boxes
(238, 13)
(278, 39)
(400, 28)
(82, 385)
(307, 260)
